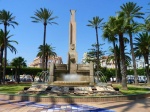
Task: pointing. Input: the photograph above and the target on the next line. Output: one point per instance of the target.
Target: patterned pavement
(27, 106)
(138, 105)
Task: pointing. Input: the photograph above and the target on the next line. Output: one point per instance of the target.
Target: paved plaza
(142, 105)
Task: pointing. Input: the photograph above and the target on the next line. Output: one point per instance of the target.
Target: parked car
(142, 79)
(25, 78)
(130, 81)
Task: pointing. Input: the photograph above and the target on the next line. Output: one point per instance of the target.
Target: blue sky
(30, 35)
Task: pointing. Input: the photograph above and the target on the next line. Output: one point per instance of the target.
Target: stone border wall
(73, 99)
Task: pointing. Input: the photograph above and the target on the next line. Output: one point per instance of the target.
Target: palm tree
(18, 63)
(110, 34)
(142, 48)
(131, 11)
(96, 23)
(111, 57)
(120, 29)
(146, 25)
(9, 46)
(7, 19)
(49, 51)
(45, 16)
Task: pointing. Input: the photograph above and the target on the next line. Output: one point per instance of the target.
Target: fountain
(72, 73)
(72, 78)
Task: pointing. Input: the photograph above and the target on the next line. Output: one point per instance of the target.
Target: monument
(72, 55)
(70, 78)
(58, 71)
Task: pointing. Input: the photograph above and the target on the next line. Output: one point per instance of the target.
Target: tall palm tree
(120, 29)
(112, 58)
(7, 19)
(96, 23)
(18, 63)
(44, 16)
(9, 46)
(49, 51)
(142, 48)
(146, 25)
(132, 11)
(110, 34)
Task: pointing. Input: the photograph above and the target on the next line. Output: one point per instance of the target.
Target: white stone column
(51, 78)
(72, 54)
(91, 68)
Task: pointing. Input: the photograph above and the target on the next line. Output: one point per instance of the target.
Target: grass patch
(13, 88)
(132, 89)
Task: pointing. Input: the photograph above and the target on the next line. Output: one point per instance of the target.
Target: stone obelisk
(72, 54)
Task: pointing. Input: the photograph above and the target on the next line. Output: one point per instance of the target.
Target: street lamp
(12, 71)
(147, 71)
(146, 64)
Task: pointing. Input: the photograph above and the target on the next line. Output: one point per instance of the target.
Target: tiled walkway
(26, 106)
(139, 105)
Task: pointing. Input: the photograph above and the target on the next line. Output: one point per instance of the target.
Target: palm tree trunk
(46, 62)
(119, 69)
(147, 68)
(5, 53)
(116, 69)
(43, 58)
(16, 72)
(123, 63)
(1, 57)
(18, 75)
(98, 64)
(133, 59)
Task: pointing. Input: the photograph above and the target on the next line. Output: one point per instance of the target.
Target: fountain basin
(71, 83)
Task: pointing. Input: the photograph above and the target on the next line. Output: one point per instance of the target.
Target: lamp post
(12, 77)
(146, 64)
(11, 71)
(1, 73)
(147, 71)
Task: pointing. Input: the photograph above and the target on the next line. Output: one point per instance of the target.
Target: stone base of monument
(72, 90)
(38, 87)
(71, 83)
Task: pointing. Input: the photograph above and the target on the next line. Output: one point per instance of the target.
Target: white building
(37, 62)
(111, 64)
(103, 61)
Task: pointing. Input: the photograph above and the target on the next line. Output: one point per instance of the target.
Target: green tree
(112, 58)
(18, 63)
(44, 16)
(146, 25)
(120, 29)
(96, 23)
(49, 51)
(142, 48)
(7, 19)
(131, 11)
(110, 34)
(92, 54)
(9, 46)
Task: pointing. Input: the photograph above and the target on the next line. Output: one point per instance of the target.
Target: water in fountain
(100, 79)
(44, 76)
(72, 80)
(71, 77)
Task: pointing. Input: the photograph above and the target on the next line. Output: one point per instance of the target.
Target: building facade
(111, 64)
(37, 62)
(103, 61)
